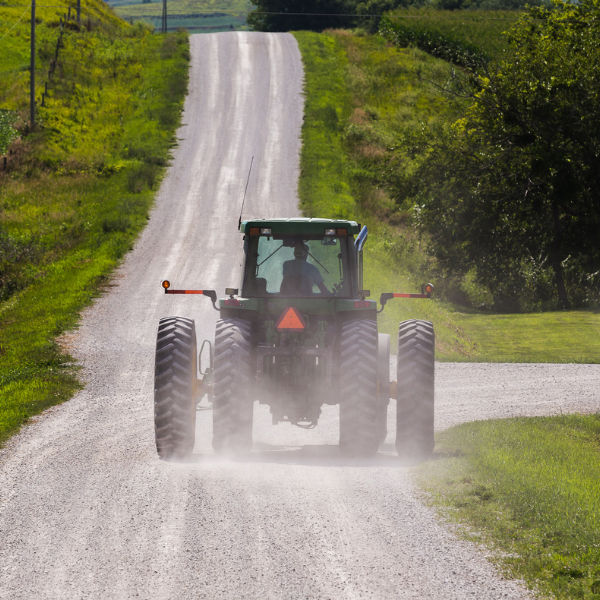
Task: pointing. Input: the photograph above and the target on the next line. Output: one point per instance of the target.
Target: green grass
(464, 37)
(370, 110)
(528, 488)
(77, 192)
(235, 8)
(194, 24)
(363, 98)
(15, 45)
(7, 131)
(197, 24)
(207, 16)
(552, 337)
(324, 186)
(453, 343)
(34, 372)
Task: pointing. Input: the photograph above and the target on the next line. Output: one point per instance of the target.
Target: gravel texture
(471, 392)
(86, 508)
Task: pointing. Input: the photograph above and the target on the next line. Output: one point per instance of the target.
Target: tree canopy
(513, 193)
(289, 15)
(318, 15)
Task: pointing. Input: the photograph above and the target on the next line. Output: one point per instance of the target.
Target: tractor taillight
(362, 304)
(254, 230)
(232, 302)
(166, 284)
(342, 232)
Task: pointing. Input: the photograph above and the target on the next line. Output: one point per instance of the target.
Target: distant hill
(197, 16)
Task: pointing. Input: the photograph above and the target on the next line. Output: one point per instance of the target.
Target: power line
(437, 17)
(393, 16)
(228, 12)
(44, 5)
(38, 5)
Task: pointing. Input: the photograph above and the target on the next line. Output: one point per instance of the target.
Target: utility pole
(163, 28)
(79, 13)
(32, 68)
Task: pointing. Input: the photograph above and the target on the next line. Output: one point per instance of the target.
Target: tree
(486, 4)
(308, 15)
(516, 185)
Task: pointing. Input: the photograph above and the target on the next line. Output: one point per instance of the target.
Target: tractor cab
(299, 258)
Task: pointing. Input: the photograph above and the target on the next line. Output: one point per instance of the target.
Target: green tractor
(301, 334)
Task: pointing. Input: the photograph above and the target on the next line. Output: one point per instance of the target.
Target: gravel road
(86, 508)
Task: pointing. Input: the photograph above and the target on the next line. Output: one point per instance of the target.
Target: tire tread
(232, 403)
(358, 388)
(415, 388)
(174, 377)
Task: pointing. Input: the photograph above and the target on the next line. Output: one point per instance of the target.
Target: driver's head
(301, 251)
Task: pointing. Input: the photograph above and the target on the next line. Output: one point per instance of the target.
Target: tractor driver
(299, 276)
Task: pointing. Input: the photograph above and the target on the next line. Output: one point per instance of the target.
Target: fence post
(32, 68)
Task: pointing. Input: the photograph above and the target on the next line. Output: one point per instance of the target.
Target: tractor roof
(299, 226)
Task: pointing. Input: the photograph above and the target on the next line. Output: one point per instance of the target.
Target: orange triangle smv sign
(291, 320)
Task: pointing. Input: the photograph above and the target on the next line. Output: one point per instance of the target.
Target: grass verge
(551, 337)
(370, 109)
(76, 194)
(529, 489)
(357, 89)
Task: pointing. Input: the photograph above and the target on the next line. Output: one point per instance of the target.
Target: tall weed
(8, 133)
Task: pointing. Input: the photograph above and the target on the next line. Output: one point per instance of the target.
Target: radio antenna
(244, 199)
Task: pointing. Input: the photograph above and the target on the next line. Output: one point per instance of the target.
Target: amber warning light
(426, 291)
(166, 284)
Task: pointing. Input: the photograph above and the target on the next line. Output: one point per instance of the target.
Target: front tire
(415, 388)
(233, 374)
(358, 388)
(174, 386)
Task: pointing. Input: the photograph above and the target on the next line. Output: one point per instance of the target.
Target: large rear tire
(232, 401)
(358, 388)
(415, 388)
(383, 384)
(174, 386)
